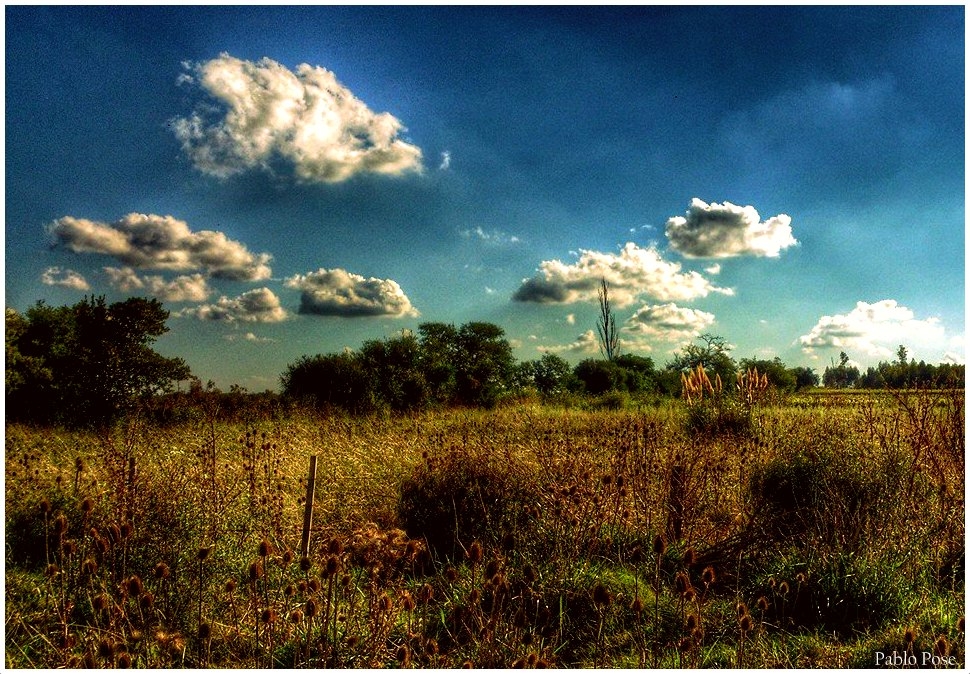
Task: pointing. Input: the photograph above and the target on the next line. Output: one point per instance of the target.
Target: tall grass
(524, 536)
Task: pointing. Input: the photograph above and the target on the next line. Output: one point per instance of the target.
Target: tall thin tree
(606, 325)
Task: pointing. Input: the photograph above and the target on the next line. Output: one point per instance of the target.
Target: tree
(841, 376)
(805, 377)
(550, 375)
(394, 367)
(779, 376)
(713, 355)
(89, 363)
(484, 365)
(606, 325)
(336, 379)
(601, 376)
(640, 372)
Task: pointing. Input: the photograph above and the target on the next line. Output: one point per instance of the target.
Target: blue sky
(298, 180)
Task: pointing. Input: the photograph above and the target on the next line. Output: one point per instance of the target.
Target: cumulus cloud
(162, 242)
(337, 292)
(64, 278)
(445, 161)
(304, 118)
(725, 230)
(874, 329)
(587, 342)
(668, 322)
(191, 288)
(632, 273)
(254, 306)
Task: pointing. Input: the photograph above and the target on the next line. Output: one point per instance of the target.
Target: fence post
(308, 508)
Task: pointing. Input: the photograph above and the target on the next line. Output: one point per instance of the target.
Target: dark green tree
(640, 372)
(550, 375)
(713, 355)
(805, 377)
(337, 380)
(89, 363)
(600, 376)
(394, 367)
(779, 376)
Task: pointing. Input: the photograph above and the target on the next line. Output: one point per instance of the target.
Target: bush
(460, 497)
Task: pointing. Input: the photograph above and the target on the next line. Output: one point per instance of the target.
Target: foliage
(842, 375)
(713, 356)
(88, 363)
(609, 339)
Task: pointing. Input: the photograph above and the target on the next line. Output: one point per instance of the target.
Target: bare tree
(606, 325)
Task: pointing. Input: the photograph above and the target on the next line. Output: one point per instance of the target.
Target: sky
(294, 181)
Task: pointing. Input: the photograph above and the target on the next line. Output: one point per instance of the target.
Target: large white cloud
(725, 230)
(190, 288)
(64, 278)
(875, 330)
(588, 342)
(668, 322)
(305, 118)
(260, 305)
(337, 292)
(162, 242)
(632, 273)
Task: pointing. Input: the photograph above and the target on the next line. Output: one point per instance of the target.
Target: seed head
(475, 552)
(203, 554)
(941, 647)
(783, 587)
(310, 608)
(134, 586)
(910, 636)
(87, 505)
(162, 571)
(745, 623)
(205, 631)
(659, 545)
(265, 548)
(601, 596)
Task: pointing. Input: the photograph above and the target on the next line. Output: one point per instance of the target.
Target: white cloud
(632, 273)
(162, 242)
(64, 278)
(571, 319)
(445, 161)
(192, 288)
(714, 269)
(726, 230)
(306, 118)
(337, 292)
(493, 236)
(668, 322)
(249, 337)
(587, 342)
(875, 330)
(254, 306)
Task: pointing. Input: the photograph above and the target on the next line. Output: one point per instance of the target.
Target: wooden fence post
(308, 508)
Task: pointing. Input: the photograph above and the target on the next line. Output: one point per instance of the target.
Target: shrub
(462, 496)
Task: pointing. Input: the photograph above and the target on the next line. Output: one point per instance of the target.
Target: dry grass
(523, 536)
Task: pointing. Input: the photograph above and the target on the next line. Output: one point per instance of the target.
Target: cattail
(296, 616)
(681, 583)
(475, 553)
(162, 571)
(333, 565)
(345, 580)
(134, 586)
(106, 649)
(601, 596)
(690, 557)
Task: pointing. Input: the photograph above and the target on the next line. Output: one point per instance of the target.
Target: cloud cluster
(162, 242)
(494, 236)
(190, 288)
(306, 119)
(632, 273)
(254, 306)
(725, 230)
(587, 342)
(64, 278)
(668, 322)
(337, 292)
(874, 329)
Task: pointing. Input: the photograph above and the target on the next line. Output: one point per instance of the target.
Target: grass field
(808, 532)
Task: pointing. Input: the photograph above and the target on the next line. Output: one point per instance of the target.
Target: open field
(812, 535)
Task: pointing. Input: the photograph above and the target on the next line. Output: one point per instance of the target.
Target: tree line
(90, 363)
